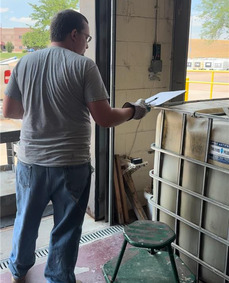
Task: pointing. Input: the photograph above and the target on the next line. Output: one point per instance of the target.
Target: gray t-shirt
(54, 85)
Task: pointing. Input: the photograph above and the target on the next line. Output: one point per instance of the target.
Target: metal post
(119, 260)
(180, 174)
(173, 263)
(10, 154)
(112, 103)
(203, 191)
(212, 82)
(186, 89)
(158, 184)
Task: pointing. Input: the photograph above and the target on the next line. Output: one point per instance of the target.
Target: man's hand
(140, 108)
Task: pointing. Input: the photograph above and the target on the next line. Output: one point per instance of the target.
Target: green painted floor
(139, 266)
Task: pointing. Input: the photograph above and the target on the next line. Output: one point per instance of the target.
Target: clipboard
(162, 97)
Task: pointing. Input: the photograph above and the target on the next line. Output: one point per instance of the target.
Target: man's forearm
(12, 108)
(106, 116)
(14, 115)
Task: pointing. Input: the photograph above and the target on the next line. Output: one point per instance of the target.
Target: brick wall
(13, 35)
(199, 48)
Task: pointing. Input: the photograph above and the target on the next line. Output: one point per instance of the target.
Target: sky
(195, 20)
(16, 13)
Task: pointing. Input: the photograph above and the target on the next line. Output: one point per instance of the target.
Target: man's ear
(74, 34)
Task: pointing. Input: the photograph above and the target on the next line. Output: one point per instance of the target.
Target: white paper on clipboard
(162, 97)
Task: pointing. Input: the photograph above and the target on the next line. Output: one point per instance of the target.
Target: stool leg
(174, 268)
(119, 260)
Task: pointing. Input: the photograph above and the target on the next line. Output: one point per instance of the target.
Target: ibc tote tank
(191, 184)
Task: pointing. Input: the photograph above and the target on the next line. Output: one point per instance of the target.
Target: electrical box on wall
(157, 51)
(155, 66)
(156, 63)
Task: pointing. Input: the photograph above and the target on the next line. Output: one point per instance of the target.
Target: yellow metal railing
(212, 83)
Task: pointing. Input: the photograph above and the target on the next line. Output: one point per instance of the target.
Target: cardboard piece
(162, 97)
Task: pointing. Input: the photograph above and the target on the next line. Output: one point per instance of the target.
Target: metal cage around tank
(191, 184)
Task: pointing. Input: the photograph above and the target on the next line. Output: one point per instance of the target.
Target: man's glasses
(88, 37)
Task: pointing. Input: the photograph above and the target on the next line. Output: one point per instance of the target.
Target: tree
(36, 39)
(44, 12)
(9, 47)
(42, 15)
(215, 16)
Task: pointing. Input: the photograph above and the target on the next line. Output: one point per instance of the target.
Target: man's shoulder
(34, 54)
(82, 61)
(70, 54)
(70, 57)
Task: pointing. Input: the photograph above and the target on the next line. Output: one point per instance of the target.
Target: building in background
(208, 55)
(13, 35)
(200, 48)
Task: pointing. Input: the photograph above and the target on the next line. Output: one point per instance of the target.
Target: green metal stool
(148, 234)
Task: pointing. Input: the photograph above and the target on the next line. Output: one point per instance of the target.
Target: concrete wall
(135, 35)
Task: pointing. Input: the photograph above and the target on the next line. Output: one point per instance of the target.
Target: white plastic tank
(191, 184)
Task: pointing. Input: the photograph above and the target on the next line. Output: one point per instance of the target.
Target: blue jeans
(68, 188)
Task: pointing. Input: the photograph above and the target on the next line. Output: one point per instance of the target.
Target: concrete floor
(92, 256)
(100, 256)
(89, 226)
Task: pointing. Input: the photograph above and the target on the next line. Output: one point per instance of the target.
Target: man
(53, 91)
